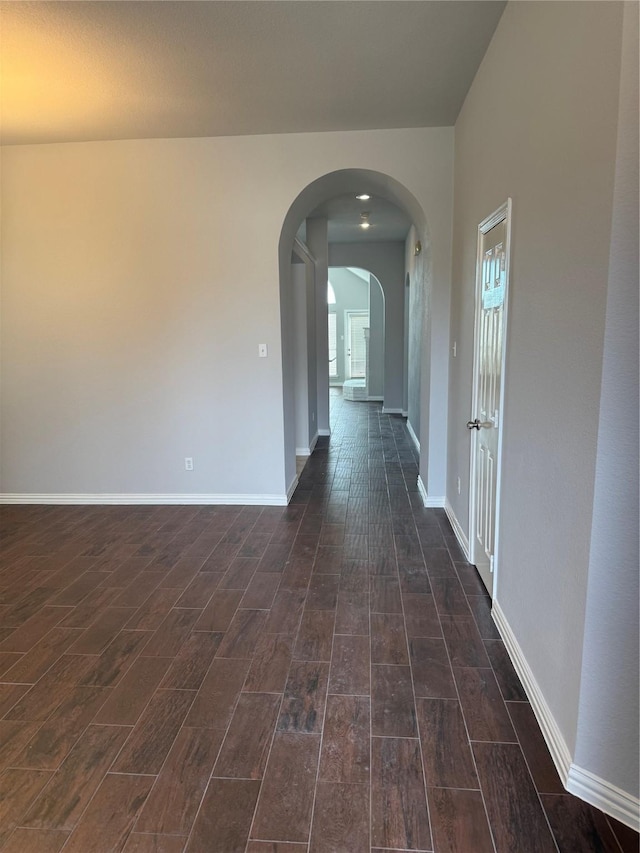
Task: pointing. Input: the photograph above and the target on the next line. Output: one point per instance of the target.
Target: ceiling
(387, 221)
(75, 71)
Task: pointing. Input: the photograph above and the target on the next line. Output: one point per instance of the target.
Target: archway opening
(305, 239)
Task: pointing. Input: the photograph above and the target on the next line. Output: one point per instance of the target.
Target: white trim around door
(488, 396)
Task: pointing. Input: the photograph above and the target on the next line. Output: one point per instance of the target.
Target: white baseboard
(593, 789)
(324, 432)
(386, 411)
(373, 398)
(604, 796)
(307, 451)
(461, 536)
(551, 732)
(405, 413)
(292, 488)
(146, 499)
(428, 500)
(414, 437)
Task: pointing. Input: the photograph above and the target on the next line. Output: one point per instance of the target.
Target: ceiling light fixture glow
(363, 197)
(364, 216)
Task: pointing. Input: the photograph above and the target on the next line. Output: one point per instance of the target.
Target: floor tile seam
(350, 695)
(614, 833)
(370, 827)
(466, 728)
(539, 793)
(415, 710)
(154, 833)
(80, 734)
(498, 742)
(91, 798)
(217, 756)
(275, 727)
(342, 634)
(495, 672)
(324, 717)
(405, 849)
(166, 758)
(129, 773)
(227, 778)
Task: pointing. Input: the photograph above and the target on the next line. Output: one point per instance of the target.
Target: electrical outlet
(458, 484)
(188, 463)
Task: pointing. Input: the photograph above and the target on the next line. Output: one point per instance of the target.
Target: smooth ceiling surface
(386, 220)
(74, 71)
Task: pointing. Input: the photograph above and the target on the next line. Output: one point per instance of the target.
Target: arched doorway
(406, 385)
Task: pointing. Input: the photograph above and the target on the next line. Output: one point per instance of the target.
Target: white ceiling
(74, 71)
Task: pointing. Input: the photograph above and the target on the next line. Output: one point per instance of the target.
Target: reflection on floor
(324, 677)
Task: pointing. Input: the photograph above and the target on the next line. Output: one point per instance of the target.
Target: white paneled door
(492, 278)
(357, 322)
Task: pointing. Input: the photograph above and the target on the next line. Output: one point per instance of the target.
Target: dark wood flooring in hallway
(324, 677)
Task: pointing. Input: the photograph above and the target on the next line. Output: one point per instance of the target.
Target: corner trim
(583, 783)
(426, 500)
(414, 437)
(405, 413)
(146, 499)
(307, 451)
(461, 536)
(550, 730)
(292, 488)
(324, 432)
(604, 796)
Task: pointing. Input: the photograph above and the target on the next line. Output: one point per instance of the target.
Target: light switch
(262, 350)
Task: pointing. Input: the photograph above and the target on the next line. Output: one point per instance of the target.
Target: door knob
(478, 424)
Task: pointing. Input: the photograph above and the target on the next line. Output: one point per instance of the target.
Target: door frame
(502, 214)
(348, 313)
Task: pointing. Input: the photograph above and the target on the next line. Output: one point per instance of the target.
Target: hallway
(324, 677)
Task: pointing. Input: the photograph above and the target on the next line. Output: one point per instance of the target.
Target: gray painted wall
(539, 125)
(609, 683)
(317, 243)
(312, 352)
(139, 277)
(377, 339)
(415, 306)
(300, 358)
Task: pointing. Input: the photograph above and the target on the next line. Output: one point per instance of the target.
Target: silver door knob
(474, 424)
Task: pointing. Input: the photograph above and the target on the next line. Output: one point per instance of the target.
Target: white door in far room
(357, 322)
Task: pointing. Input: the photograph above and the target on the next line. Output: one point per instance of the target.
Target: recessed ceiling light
(365, 225)
(363, 197)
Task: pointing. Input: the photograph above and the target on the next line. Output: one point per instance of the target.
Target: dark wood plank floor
(324, 677)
